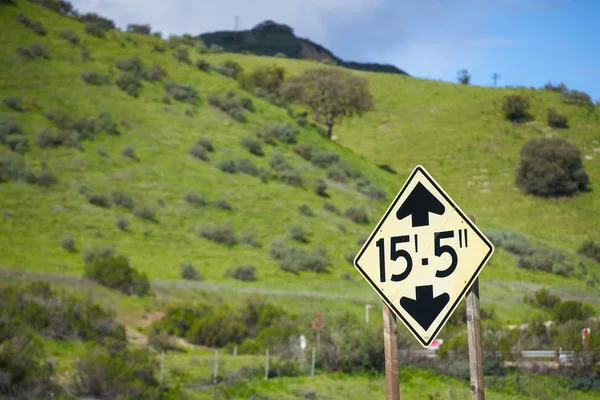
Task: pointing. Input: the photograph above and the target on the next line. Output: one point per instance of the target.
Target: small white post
(162, 367)
(267, 364)
(216, 367)
(312, 363)
(367, 314)
(235, 350)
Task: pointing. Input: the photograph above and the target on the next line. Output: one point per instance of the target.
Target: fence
(559, 355)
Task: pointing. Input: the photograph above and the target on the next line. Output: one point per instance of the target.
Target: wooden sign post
(390, 341)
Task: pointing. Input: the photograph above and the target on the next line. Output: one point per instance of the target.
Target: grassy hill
(272, 39)
(457, 132)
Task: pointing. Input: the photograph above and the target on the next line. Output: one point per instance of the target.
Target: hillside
(131, 174)
(272, 39)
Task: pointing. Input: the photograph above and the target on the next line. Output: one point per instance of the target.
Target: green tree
(464, 77)
(331, 94)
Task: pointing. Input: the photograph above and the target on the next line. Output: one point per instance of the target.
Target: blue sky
(527, 42)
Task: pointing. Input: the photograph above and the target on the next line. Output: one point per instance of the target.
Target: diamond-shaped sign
(423, 256)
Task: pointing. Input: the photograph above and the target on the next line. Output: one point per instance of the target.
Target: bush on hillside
(115, 272)
(33, 51)
(268, 78)
(285, 133)
(98, 199)
(13, 168)
(222, 234)
(242, 273)
(182, 55)
(298, 233)
(18, 143)
(577, 97)
(320, 187)
(69, 35)
(58, 117)
(130, 83)
(145, 212)
(189, 272)
(543, 299)
(194, 199)
(106, 23)
(590, 249)
(206, 143)
(68, 243)
(252, 145)
(121, 198)
(215, 49)
(182, 92)
(203, 65)
(129, 152)
(357, 214)
(140, 29)
(35, 26)
(199, 152)
(250, 239)
(235, 67)
(232, 104)
(94, 78)
(121, 222)
(85, 53)
(556, 120)
(290, 177)
(304, 150)
(370, 190)
(324, 159)
(15, 103)
(329, 207)
(572, 310)
(133, 65)
(221, 69)
(154, 73)
(295, 259)
(551, 167)
(223, 205)
(516, 107)
(95, 29)
(242, 165)
(305, 210)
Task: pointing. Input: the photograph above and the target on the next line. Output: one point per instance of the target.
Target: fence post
(267, 364)
(216, 367)
(235, 350)
(162, 367)
(390, 342)
(312, 363)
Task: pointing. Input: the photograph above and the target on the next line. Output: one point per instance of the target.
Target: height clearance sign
(423, 256)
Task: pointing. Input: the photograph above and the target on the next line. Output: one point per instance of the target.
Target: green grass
(457, 132)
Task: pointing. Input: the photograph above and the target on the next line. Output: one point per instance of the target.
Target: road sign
(423, 256)
(317, 321)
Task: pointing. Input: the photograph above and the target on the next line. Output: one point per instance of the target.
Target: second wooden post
(390, 340)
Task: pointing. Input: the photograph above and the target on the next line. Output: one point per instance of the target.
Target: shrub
(268, 78)
(331, 208)
(215, 48)
(69, 35)
(33, 51)
(356, 214)
(203, 65)
(68, 243)
(36, 26)
(543, 299)
(122, 198)
(94, 78)
(106, 124)
(576, 97)
(44, 177)
(370, 190)
(106, 23)
(246, 166)
(249, 238)
(145, 212)
(206, 143)
(293, 259)
(14, 103)
(298, 233)
(95, 29)
(199, 152)
(129, 83)
(228, 166)
(181, 92)
(116, 372)
(235, 67)
(133, 65)
(232, 104)
(286, 133)
(95, 252)
(572, 310)
(551, 167)
(242, 273)
(194, 199)
(320, 187)
(305, 210)
(221, 69)
(556, 120)
(277, 162)
(86, 127)
(122, 223)
(129, 152)
(252, 145)
(59, 118)
(337, 174)
(222, 234)
(591, 249)
(324, 159)
(516, 107)
(304, 150)
(85, 53)
(17, 143)
(115, 272)
(99, 199)
(154, 73)
(141, 29)
(182, 55)
(223, 204)
(189, 272)
(290, 177)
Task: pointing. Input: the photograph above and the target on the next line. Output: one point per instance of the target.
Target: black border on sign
(425, 343)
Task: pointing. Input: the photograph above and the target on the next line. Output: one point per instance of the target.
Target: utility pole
(236, 27)
(495, 77)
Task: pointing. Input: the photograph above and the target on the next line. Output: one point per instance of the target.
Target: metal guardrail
(563, 355)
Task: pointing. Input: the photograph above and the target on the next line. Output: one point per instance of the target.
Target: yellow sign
(423, 256)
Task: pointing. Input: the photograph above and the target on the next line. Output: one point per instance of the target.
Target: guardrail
(557, 355)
